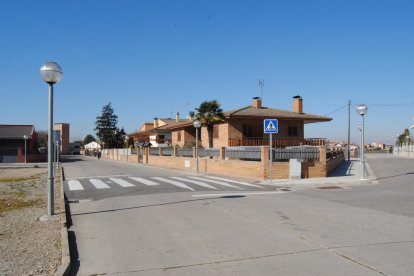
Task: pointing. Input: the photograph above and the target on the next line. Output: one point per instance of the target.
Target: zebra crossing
(189, 183)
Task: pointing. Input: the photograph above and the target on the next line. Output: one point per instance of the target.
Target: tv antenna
(261, 84)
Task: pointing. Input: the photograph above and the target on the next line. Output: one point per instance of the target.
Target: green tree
(402, 138)
(88, 138)
(209, 113)
(106, 128)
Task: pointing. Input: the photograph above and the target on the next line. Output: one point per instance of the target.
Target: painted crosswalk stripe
(122, 182)
(75, 185)
(195, 182)
(215, 182)
(144, 181)
(99, 184)
(176, 183)
(234, 181)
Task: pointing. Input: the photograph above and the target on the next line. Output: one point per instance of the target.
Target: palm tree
(402, 139)
(210, 113)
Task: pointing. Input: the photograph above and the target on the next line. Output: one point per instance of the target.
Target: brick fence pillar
(323, 161)
(175, 151)
(161, 151)
(322, 154)
(146, 154)
(138, 153)
(222, 153)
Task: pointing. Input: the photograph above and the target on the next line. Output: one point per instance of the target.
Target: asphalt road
(92, 179)
(357, 230)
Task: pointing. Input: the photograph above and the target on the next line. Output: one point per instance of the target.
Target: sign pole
(271, 158)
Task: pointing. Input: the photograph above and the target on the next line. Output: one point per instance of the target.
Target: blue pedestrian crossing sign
(271, 126)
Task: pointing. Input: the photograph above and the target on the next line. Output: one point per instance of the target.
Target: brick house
(244, 127)
(157, 133)
(12, 143)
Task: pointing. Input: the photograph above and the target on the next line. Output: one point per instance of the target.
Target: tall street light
(126, 144)
(25, 137)
(51, 73)
(197, 125)
(360, 137)
(362, 110)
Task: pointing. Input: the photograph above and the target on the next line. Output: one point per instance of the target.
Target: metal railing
(300, 152)
(213, 152)
(167, 151)
(185, 152)
(244, 153)
(277, 142)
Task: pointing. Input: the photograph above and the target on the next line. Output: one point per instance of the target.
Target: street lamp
(51, 73)
(407, 145)
(57, 152)
(25, 137)
(360, 137)
(126, 144)
(197, 125)
(362, 110)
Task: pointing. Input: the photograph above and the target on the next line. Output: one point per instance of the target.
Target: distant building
(63, 128)
(12, 143)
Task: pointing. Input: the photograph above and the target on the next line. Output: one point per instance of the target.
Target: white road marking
(234, 181)
(216, 182)
(239, 194)
(176, 183)
(195, 182)
(122, 182)
(98, 176)
(75, 185)
(99, 184)
(144, 181)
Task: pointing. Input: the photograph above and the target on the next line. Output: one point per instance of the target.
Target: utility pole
(349, 128)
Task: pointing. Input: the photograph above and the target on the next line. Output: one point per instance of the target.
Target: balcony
(277, 142)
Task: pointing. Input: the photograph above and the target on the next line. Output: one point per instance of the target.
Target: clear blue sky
(154, 58)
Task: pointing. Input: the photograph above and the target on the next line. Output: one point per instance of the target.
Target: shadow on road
(345, 169)
(160, 204)
(73, 246)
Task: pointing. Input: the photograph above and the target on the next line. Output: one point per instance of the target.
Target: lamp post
(407, 145)
(126, 144)
(360, 138)
(362, 110)
(25, 137)
(51, 73)
(197, 125)
(57, 152)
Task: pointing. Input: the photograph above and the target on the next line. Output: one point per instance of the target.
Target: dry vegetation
(28, 246)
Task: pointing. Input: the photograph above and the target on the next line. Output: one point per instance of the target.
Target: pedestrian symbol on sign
(271, 126)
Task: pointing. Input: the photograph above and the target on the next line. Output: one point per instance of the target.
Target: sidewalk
(347, 174)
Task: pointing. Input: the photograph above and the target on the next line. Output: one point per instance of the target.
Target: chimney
(177, 117)
(155, 122)
(297, 104)
(191, 115)
(257, 102)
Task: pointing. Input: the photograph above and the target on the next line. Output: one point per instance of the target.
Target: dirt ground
(28, 245)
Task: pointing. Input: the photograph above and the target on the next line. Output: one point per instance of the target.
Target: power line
(336, 110)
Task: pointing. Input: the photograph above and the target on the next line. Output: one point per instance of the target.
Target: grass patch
(18, 179)
(10, 204)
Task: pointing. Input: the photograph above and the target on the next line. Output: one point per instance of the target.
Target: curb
(64, 268)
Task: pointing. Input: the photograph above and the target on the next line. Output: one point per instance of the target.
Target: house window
(179, 136)
(251, 131)
(216, 131)
(293, 131)
(161, 139)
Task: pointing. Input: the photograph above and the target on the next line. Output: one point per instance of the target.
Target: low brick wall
(247, 169)
(333, 163)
